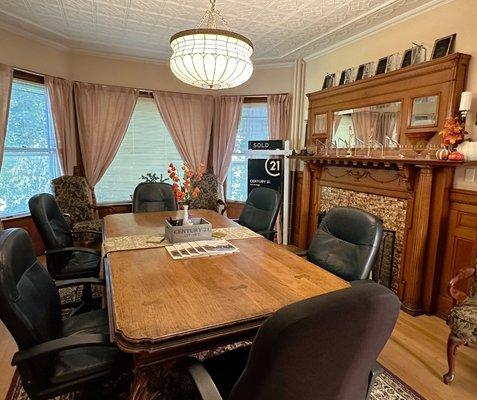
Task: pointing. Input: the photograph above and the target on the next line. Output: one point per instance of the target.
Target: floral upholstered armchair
(462, 319)
(209, 194)
(73, 198)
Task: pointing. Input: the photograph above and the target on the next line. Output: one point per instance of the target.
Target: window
(146, 147)
(30, 161)
(253, 126)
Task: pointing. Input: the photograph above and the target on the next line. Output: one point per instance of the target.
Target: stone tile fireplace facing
(391, 210)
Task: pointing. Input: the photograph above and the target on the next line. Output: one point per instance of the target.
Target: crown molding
(378, 28)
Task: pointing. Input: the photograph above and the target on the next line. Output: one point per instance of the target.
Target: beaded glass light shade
(211, 58)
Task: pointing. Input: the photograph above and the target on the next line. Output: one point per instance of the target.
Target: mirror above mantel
(366, 125)
(407, 106)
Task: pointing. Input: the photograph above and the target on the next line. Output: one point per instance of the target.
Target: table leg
(149, 380)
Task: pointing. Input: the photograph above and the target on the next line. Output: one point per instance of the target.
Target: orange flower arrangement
(185, 191)
(453, 132)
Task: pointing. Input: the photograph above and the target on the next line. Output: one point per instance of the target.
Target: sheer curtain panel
(228, 110)
(60, 95)
(103, 114)
(188, 118)
(6, 76)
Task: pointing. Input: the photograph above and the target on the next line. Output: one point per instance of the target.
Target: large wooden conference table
(162, 309)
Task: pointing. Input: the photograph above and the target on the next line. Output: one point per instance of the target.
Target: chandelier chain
(213, 16)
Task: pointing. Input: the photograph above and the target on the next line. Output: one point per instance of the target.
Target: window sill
(118, 203)
(16, 216)
(235, 202)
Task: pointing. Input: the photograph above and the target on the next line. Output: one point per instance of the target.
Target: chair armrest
(202, 379)
(301, 252)
(71, 249)
(360, 282)
(263, 233)
(80, 281)
(64, 343)
(87, 231)
(458, 296)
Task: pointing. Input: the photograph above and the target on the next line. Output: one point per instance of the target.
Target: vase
(185, 216)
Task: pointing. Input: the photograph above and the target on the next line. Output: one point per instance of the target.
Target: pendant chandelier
(209, 57)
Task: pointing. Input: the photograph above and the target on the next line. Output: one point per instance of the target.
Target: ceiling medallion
(209, 57)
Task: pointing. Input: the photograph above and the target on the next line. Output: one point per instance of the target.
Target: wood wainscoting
(460, 245)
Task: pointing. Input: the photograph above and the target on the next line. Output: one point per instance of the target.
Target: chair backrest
(209, 193)
(347, 243)
(154, 196)
(50, 222)
(261, 209)
(320, 348)
(73, 197)
(29, 301)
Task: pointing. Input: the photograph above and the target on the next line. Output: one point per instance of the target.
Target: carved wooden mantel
(425, 184)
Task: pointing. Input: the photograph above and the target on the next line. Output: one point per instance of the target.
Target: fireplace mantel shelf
(377, 162)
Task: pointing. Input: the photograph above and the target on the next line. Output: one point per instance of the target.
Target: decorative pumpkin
(442, 154)
(456, 156)
(469, 150)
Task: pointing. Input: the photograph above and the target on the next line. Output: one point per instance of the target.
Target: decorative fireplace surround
(391, 210)
(410, 195)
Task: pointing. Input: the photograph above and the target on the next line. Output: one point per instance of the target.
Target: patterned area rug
(386, 387)
(179, 387)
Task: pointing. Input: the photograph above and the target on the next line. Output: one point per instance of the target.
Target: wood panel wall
(460, 245)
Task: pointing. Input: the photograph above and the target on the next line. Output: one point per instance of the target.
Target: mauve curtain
(387, 126)
(188, 118)
(60, 94)
(278, 116)
(103, 114)
(228, 110)
(365, 124)
(6, 76)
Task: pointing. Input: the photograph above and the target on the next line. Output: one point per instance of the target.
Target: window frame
(50, 151)
(246, 100)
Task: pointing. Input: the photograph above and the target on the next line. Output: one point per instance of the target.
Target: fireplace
(411, 196)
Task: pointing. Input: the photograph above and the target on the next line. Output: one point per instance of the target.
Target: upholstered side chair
(54, 356)
(462, 319)
(324, 347)
(153, 196)
(209, 194)
(74, 199)
(346, 243)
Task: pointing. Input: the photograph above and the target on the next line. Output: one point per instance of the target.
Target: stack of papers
(203, 248)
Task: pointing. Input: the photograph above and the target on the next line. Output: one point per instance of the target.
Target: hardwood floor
(415, 353)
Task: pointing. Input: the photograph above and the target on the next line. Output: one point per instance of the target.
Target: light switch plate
(469, 175)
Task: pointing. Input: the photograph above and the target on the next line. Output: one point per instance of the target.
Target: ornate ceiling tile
(282, 30)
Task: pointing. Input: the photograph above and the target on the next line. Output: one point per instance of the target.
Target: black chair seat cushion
(82, 263)
(90, 322)
(77, 363)
(226, 368)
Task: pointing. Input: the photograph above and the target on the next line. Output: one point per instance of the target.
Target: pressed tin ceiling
(281, 30)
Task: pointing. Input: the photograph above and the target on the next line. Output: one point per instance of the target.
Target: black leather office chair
(63, 259)
(153, 196)
(319, 348)
(261, 210)
(54, 356)
(347, 243)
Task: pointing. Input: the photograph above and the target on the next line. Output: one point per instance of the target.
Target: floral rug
(386, 387)
(179, 387)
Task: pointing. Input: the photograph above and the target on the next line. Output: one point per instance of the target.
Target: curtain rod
(148, 91)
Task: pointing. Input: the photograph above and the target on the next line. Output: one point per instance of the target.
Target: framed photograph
(406, 58)
(360, 73)
(329, 81)
(382, 65)
(345, 76)
(443, 46)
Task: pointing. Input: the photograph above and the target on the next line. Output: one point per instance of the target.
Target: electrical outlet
(469, 175)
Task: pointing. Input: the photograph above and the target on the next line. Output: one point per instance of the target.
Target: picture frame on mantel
(382, 65)
(406, 58)
(443, 46)
(329, 81)
(345, 76)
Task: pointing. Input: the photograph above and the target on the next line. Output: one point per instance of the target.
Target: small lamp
(465, 104)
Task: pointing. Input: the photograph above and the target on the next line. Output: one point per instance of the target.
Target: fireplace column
(413, 267)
